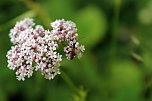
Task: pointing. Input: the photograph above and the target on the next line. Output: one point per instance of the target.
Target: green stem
(115, 28)
(39, 11)
(69, 82)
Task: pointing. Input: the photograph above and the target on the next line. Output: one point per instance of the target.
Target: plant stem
(115, 28)
(37, 9)
(69, 82)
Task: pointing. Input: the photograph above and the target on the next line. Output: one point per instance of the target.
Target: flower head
(36, 48)
(67, 31)
(21, 30)
(20, 58)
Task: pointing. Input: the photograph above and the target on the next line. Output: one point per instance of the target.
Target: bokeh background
(117, 63)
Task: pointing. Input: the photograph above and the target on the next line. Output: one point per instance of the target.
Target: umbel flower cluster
(35, 48)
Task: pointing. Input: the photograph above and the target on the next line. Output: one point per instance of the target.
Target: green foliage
(98, 75)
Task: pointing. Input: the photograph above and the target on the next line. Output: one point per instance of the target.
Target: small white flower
(36, 48)
(20, 27)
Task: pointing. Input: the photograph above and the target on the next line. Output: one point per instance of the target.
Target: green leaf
(91, 23)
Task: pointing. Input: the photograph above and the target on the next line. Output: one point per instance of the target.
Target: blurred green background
(116, 65)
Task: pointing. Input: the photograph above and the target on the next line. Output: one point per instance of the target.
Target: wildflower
(36, 48)
(67, 31)
(22, 29)
(47, 58)
(20, 58)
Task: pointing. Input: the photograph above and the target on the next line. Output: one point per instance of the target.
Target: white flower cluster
(67, 31)
(36, 48)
